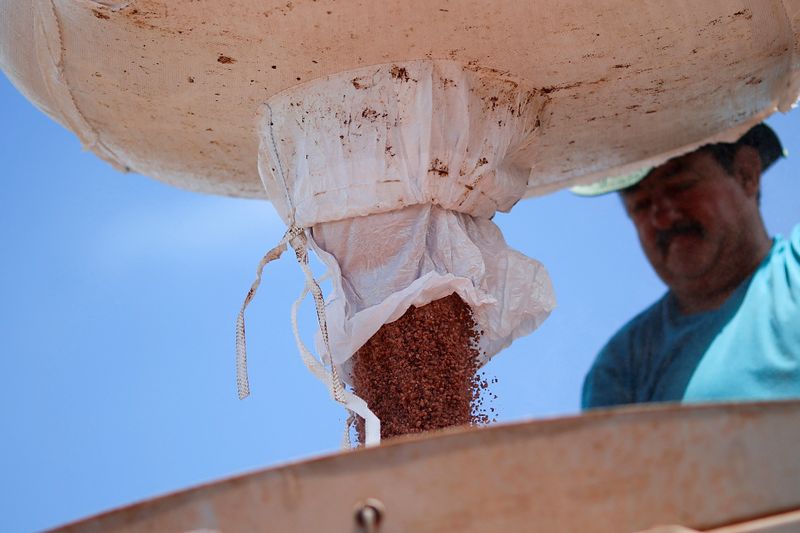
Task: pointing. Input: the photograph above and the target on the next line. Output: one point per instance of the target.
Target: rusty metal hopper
(702, 467)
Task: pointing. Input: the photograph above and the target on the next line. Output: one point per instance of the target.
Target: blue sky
(119, 297)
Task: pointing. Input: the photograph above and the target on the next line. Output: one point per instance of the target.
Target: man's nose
(663, 213)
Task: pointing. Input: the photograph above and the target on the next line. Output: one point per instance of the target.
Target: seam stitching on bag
(88, 135)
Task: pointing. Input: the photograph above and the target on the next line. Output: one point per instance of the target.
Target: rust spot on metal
(100, 14)
(225, 59)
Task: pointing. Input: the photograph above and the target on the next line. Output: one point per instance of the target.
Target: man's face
(690, 215)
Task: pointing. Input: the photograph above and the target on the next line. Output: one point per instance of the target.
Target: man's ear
(747, 169)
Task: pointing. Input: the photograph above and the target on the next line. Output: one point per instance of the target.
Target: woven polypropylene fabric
(624, 86)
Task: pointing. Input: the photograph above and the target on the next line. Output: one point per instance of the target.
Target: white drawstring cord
(296, 237)
(242, 381)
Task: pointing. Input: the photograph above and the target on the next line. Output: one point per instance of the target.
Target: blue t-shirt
(748, 349)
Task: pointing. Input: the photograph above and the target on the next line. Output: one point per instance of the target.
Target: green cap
(611, 183)
(761, 137)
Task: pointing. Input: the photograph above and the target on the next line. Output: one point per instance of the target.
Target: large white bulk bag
(408, 121)
(171, 88)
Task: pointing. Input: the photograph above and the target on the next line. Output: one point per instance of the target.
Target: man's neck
(711, 296)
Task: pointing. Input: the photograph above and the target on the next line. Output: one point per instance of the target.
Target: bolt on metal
(369, 515)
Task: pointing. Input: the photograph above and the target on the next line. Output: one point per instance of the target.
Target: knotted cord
(296, 237)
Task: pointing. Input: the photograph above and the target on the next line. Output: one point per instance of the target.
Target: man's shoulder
(612, 378)
(637, 333)
(652, 317)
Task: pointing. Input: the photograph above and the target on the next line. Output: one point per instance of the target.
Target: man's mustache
(664, 237)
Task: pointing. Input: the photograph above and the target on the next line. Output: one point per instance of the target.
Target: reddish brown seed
(420, 372)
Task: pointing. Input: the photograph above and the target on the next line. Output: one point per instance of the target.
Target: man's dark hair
(761, 137)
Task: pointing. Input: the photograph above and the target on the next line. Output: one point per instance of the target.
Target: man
(729, 326)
